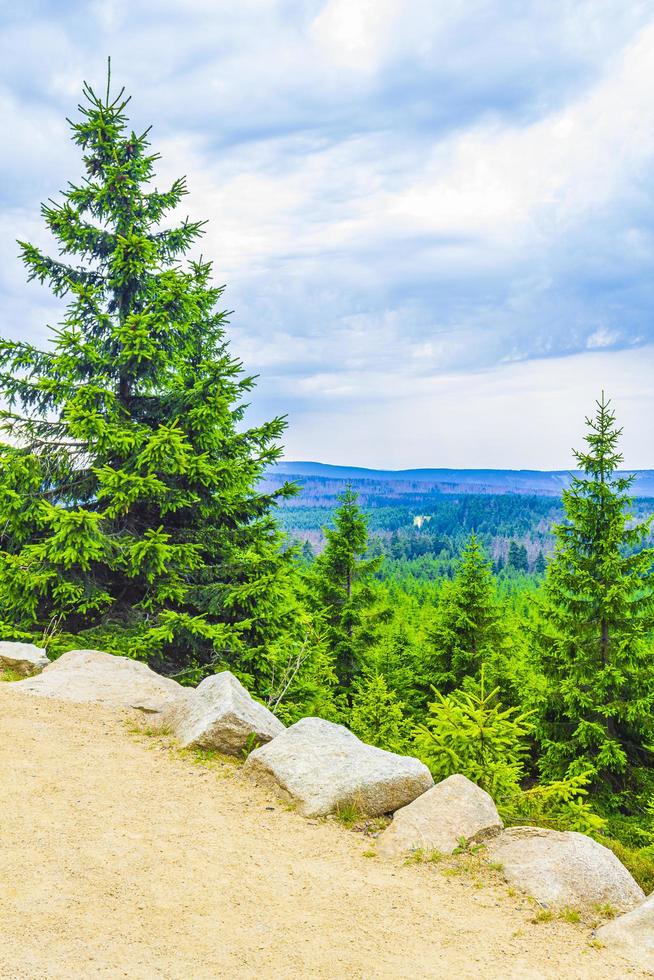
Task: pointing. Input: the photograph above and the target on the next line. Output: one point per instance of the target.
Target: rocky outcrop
(562, 869)
(25, 658)
(633, 935)
(94, 676)
(453, 810)
(220, 714)
(324, 767)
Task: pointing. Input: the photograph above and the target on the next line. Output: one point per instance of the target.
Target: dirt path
(119, 858)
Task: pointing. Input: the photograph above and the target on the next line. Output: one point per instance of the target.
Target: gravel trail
(121, 858)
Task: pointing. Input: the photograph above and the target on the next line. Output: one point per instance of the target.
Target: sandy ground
(121, 858)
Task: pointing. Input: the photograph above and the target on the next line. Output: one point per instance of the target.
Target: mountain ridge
(453, 480)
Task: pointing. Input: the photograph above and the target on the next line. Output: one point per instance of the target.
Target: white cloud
(399, 194)
(601, 338)
(526, 416)
(509, 185)
(358, 33)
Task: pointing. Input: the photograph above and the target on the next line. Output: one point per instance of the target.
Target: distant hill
(317, 477)
(431, 512)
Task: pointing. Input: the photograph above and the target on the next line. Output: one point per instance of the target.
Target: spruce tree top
(128, 492)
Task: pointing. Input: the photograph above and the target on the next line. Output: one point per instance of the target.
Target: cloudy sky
(435, 218)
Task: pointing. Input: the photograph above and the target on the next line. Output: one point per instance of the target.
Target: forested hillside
(420, 520)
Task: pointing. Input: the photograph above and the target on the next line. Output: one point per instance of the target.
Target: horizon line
(449, 469)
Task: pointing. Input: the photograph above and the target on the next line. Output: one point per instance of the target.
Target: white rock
(323, 766)
(220, 714)
(453, 809)
(633, 935)
(562, 869)
(24, 658)
(91, 675)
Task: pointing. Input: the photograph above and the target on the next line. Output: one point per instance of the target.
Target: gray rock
(102, 678)
(220, 714)
(633, 935)
(437, 821)
(25, 658)
(323, 767)
(562, 869)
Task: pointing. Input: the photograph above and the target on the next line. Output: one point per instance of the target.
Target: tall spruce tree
(598, 703)
(467, 632)
(342, 591)
(129, 508)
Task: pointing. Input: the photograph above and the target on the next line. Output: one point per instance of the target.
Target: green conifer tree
(377, 715)
(467, 632)
(470, 732)
(342, 591)
(518, 558)
(397, 653)
(306, 553)
(540, 564)
(129, 507)
(595, 636)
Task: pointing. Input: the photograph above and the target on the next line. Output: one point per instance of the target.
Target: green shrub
(560, 805)
(638, 861)
(469, 732)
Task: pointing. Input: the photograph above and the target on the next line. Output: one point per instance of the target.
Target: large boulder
(24, 658)
(562, 869)
(91, 675)
(220, 714)
(453, 810)
(633, 935)
(324, 767)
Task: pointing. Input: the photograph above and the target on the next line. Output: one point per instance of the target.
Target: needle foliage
(129, 507)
